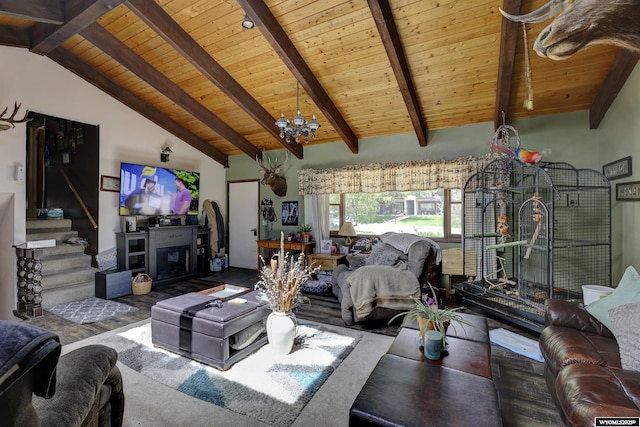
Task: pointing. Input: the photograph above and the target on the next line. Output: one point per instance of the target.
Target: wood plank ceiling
(365, 68)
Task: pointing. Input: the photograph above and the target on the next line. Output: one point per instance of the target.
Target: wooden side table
(305, 248)
(326, 261)
(453, 265)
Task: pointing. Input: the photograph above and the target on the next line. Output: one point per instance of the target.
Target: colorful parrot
(525, 156)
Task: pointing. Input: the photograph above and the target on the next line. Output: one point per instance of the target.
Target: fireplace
(171, 251)
(172, 262)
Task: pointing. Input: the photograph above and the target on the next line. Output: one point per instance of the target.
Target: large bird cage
(534, 232)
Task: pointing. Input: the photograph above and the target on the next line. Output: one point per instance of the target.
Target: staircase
(67, 274)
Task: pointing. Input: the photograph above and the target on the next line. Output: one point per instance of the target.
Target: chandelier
(300, 128)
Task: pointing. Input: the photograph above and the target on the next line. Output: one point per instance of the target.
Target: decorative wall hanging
(109, 183)
(618, 169)
(290, 213)
(9, 122)
(628, 191)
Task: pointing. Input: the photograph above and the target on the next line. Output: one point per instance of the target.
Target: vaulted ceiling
(366, 68)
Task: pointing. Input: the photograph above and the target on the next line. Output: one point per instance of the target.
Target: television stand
(166, 254)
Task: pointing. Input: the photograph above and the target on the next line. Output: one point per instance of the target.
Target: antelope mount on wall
(9, 122)
(581, 23)
(272, 178)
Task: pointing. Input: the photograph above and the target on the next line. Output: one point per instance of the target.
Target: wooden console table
(305, 248)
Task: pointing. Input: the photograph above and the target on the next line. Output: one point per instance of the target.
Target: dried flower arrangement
(280, 282)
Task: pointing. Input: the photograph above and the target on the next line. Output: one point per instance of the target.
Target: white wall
(556, 136)
(618, 137)
(43, 86)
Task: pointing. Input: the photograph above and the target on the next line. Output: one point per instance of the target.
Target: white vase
(281, 331)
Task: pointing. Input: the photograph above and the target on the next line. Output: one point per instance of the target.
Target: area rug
(271, 388)
(90, 310)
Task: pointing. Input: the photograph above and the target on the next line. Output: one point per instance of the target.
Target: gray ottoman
(183, 325)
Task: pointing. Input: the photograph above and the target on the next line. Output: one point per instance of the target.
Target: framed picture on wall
(628, 191)
(290, 213)
(618, 169)
(109, 183)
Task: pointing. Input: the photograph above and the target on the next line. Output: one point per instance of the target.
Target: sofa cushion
(562, 346)
(587, 391)
(628, 291)
(625, 322)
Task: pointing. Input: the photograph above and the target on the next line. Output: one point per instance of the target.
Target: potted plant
(305, 232)
(430, 316)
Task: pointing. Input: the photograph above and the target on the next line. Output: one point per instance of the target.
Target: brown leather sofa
(583, 370)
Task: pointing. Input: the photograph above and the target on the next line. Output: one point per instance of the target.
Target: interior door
(244, 216)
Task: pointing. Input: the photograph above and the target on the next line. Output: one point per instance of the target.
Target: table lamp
(348, 231)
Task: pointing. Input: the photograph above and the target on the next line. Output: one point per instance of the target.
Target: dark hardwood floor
(524, 399)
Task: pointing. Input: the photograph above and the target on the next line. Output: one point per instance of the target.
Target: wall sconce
(164, 154)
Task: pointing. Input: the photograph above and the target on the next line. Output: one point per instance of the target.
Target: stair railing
(78, 198)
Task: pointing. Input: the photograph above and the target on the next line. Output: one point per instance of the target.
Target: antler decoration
(11, 120)
(271, 176)
(549, 10)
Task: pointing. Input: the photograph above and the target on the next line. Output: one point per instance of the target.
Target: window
(433, 213)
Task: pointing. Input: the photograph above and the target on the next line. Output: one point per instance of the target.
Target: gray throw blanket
(382, 286)
(404, 241)
(24, 347)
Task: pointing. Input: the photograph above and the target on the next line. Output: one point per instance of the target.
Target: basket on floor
(141, 284)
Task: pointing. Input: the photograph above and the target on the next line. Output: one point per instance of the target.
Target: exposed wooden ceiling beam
(621, 68)
(120, 52)
(508, 39)
(14, 36)
(104, 83)
(46, 11)
(280, 42)
(383, 17)
(78, 14)
(158, 20)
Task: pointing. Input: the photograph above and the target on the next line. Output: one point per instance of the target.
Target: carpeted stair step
(62, 249)
(64, 262)
(37, 225)
(60, 295)
(67, 274)
(58, 235)
(68, 277)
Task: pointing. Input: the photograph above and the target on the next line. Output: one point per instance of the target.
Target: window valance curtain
(381, 177)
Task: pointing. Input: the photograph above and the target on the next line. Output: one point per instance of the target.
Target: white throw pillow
(625, 322)
(628, 291)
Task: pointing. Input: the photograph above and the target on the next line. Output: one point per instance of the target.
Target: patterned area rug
(90, 310)
(270, 388)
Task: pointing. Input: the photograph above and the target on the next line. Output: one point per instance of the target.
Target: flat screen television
(152, 190)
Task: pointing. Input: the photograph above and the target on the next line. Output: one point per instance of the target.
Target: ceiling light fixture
(302, 127)
(247, 23)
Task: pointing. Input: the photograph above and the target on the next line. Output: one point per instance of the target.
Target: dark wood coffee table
(407, 389)
(463, 355)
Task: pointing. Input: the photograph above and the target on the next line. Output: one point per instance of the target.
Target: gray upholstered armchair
(392, 274)
(40, 388)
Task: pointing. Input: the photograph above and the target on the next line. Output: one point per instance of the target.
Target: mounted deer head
(11, 120)
(271, 178)
(581, 23)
